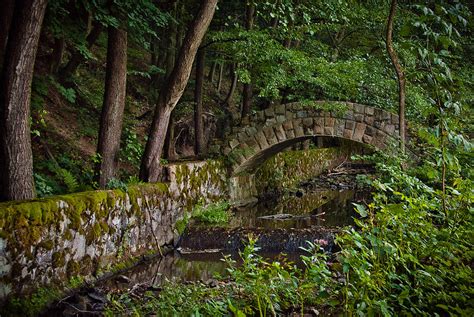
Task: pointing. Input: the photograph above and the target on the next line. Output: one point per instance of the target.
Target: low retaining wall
(47, 241)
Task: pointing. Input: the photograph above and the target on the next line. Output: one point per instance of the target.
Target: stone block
(270, 121)
(301, 114)
(329, 122)
(359, 117)
(227, 150)
(349, 114)
(299, 132)
(269, 112)
(395, 119)
(233, 143)
(289, 115)
(370, 131)
(242, 136)
(280, 118)
(268, 131)
(347, 133)
(260, 116)
(369, 111)
(386, 116)
(287, 125)
(290, 134)
(280, 133)
(389, 128)
(359, 108)
(369, 119)
(252, 142)
(280, 109)
(350, 125)
(307, 122)
(318, 130)
(367, 139)
(329, 131)
(339, 127)
(358, 132)
(261, 140)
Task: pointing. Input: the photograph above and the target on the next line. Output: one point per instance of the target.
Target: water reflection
(319, 208)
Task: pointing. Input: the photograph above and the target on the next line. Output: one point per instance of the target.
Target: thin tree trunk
(57, 56)
(172, 92)
(247, 89)
(114, 104)
(246, 102)
(16, 157)
(233, 85)
(5, 22)
(77, 58)
(219, 79)
(212, 72)
(198, 127)
(400, 74)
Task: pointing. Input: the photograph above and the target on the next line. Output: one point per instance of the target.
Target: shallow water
(326, 208)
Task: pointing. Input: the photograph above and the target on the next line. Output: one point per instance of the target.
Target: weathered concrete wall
(51, 240)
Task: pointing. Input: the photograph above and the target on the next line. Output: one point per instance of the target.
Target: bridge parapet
(279, 126)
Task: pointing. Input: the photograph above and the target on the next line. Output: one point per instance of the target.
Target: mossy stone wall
(48, 241)
(287, 169)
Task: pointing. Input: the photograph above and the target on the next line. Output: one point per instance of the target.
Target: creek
(283, 223)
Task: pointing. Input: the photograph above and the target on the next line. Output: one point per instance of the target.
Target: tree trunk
(198, 128)
(219, 79)
(173, 90)
(114, 104)
(233, 85)
(77, 58)
(246, 102)
(400, 74)
(247, 91)
(212, 72)
(16, 158)
(57, 56)
(169, 151)
(5, 22)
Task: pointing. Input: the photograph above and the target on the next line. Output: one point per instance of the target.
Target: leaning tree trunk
(400, 74)
(114, 104)
(198, 127)
(16, 158)
(173, 90)
(5, 22)
(247, 89)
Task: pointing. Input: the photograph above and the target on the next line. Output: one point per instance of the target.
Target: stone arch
(273, 129)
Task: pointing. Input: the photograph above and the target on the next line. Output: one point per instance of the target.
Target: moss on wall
(288, 169)
(47, 241)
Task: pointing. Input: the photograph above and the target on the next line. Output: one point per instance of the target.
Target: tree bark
(77, 58)
(114, 105)
(16, 158)
(169, 151)
(198, 127)
(173, 90)
(212, 72)
(219, 79)
(233, 85)
(5, 22)
(247, 89)
(400, 74)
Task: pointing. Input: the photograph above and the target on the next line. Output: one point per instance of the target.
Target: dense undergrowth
(410, 254)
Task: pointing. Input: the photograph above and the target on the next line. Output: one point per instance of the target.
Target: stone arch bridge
(273, 129)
